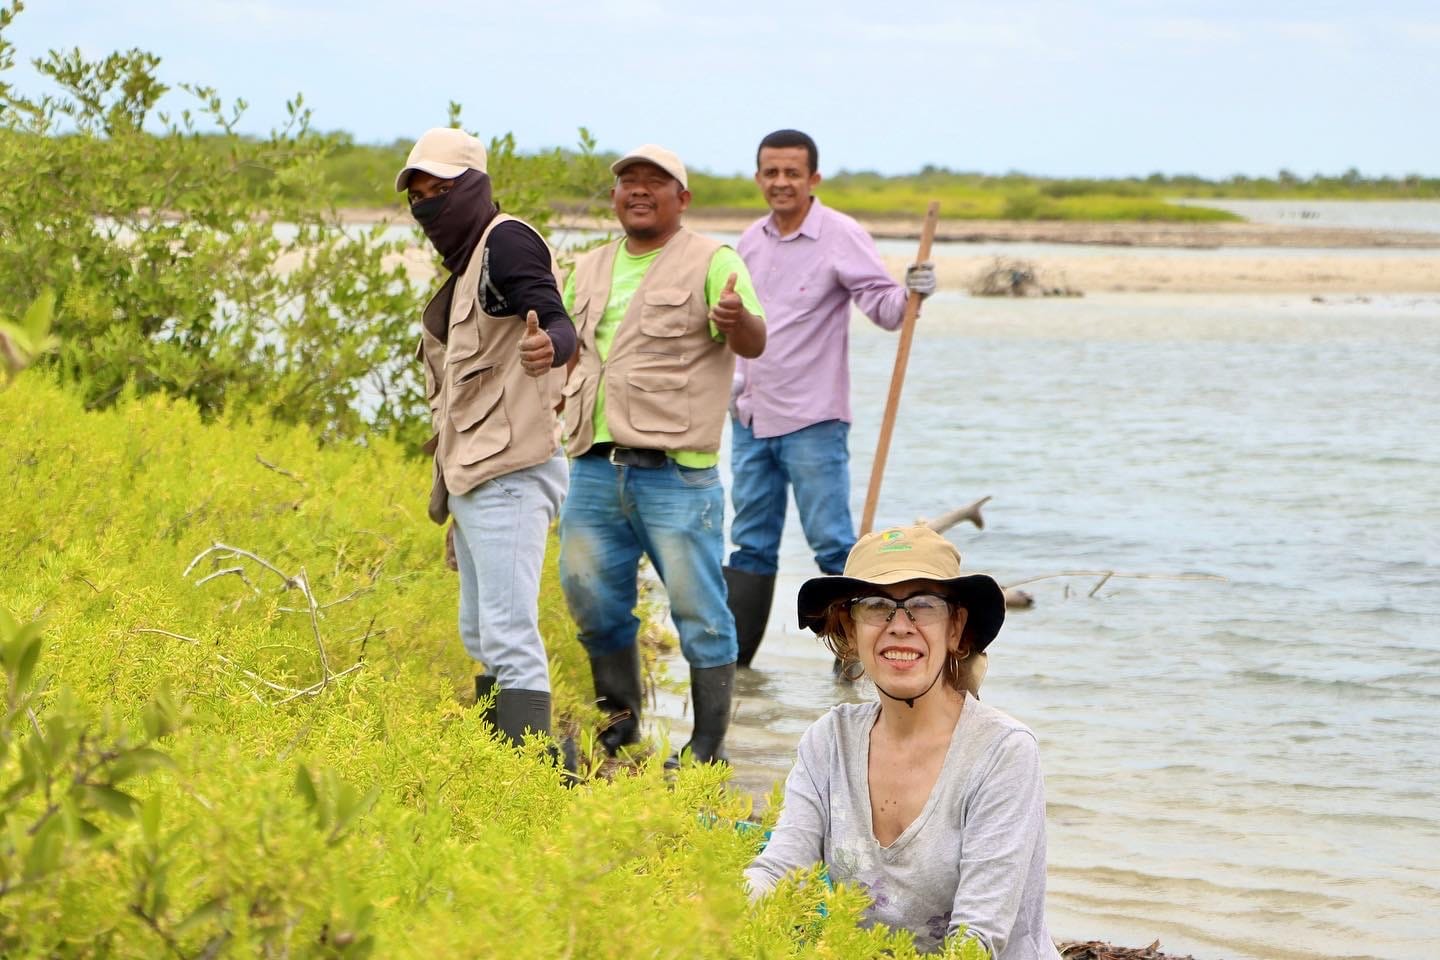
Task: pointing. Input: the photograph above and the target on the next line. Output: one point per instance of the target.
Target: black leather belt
(629, 456)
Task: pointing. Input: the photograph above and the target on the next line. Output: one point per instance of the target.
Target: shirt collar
(809, 227)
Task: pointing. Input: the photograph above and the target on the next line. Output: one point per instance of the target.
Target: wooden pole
(897, 379)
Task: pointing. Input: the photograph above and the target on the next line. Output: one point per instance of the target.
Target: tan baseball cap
(443, 152)
(908, 553)
(650, 153)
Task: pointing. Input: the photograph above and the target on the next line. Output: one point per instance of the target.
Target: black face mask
(426, 211)
(454, 221)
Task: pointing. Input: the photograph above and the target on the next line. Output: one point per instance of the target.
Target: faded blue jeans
(815, 462)
(674, 515)
(500, 532)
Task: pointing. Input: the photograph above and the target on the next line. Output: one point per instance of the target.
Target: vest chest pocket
(665, 312)
(659, 402)
(580, 316)
(573, 405)
(431, 354)
(464, 339)
(477, 412)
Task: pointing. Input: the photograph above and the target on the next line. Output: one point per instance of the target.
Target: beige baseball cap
(650, 153)
(443, 152)
(908, 553)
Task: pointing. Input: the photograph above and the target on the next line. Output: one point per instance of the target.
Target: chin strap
(910, 701)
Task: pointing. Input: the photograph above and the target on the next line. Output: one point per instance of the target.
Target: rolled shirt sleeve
(860, 270)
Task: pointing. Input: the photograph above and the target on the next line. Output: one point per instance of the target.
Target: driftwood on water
(1017, 599)
(970, 512)
(1099, 950)
(1014, 599)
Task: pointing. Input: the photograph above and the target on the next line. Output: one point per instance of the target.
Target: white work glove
(920, 278)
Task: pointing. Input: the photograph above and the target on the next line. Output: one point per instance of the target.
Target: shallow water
(1421, 215)
(1243, 769)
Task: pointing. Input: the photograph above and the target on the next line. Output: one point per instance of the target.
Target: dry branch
(326, 606)
(1107, 574)
(1099, 950)
(299, 581)
(279, 687)
(237, 571)
(320, 685)
(1012, 277)
(237, 552)
(284, 473)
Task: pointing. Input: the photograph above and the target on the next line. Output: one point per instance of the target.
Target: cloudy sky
(1063, 87)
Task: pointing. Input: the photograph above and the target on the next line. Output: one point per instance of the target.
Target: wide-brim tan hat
(650, 153)
(908, 553)
(443, 152)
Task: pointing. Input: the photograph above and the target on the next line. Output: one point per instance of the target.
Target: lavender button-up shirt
(806, 282)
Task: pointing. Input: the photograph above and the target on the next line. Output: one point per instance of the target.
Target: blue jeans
(674, 515)
(815, 462)
(500, 532)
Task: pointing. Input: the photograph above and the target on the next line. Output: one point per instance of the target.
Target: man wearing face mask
(494, 342)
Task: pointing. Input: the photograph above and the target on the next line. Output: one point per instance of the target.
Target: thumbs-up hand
(728, 310)
(536, 350)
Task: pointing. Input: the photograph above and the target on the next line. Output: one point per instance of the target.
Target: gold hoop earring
(846, 671)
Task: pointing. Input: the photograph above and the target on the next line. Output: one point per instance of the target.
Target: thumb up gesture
(728, 310)
(536, 350)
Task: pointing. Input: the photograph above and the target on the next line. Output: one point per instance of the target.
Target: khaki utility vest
(489, 418)
(667, 382)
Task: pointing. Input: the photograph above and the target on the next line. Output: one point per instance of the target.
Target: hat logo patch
(889, 538)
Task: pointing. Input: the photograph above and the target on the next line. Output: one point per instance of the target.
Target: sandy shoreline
(1200, 236)
(1315, 275)
(1189, 236)
(1148, 257)
(1333, 261)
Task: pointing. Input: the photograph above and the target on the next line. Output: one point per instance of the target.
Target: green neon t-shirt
(625, 279)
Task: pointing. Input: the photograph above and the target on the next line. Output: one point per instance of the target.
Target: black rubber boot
(485, 687)
(517, 711)
(521, 711)
(712, 691)
(618, 693)
(750, 598)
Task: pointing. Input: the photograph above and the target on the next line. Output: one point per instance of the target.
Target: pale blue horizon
(1107, 89)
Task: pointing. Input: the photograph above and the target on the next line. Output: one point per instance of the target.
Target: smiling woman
(928, 800)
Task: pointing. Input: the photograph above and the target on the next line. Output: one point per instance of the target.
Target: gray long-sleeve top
(974, 857)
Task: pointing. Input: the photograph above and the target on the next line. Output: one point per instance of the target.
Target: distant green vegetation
(364, 178)
(965, 196)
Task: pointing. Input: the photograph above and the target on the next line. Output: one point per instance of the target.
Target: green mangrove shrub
(214, 798)
(190, 260)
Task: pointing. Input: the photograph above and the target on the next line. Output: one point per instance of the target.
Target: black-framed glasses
(923, 609)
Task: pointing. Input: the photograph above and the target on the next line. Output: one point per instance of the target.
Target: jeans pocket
(509, 489)
(698, 477)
